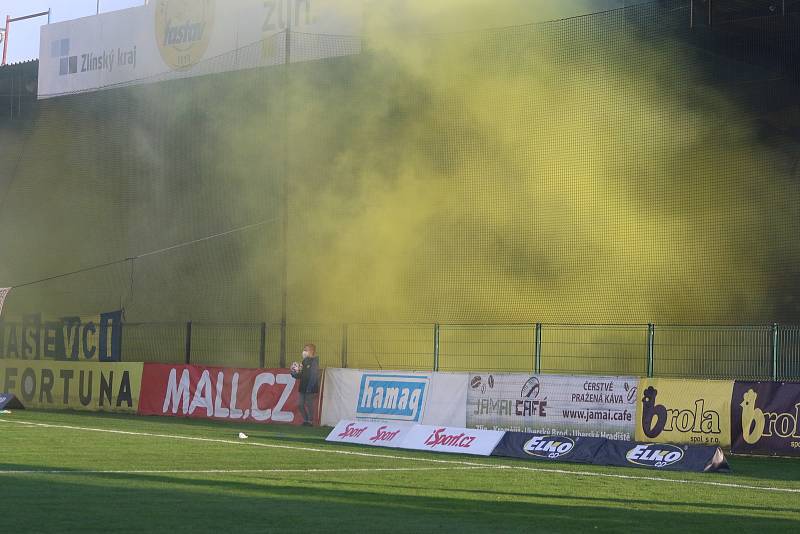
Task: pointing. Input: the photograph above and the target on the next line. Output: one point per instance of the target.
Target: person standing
(308, 373)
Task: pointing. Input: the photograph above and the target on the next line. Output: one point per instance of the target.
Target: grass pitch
(68, 472)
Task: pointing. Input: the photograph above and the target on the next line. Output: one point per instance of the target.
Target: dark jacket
(308, 375)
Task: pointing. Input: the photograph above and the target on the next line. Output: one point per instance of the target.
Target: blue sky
(24, 35)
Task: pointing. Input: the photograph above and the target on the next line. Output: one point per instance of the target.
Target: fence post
(775, 351)
(344, 346)
(537, 354)
(436, 346)
(262, 347)
(651, 333)
(188, 342)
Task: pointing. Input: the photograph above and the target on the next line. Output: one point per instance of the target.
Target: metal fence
(768, 352)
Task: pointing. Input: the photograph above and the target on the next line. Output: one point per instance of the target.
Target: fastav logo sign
(369, 433)
(255, 395)
(392, 397)
(454, 440)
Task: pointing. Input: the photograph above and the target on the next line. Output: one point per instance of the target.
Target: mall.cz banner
(601, 451)
(591, 406)
(112, 387)
(251, 395)
(765, 418)
(696, 412)
(74, 338)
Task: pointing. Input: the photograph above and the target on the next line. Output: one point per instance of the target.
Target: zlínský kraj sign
(169, 39)
(590, 406)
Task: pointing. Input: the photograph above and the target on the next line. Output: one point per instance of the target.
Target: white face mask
(305, 354)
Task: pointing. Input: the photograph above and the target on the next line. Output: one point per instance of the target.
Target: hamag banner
(590, 406)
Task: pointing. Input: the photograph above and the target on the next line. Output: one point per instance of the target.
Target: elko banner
(592, 406)
(698, 458)
(169, 39)
(369, 433)
(252, 395)
(552, 448)
(765, 418)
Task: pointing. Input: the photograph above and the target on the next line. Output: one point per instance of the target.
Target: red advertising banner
(251, 395)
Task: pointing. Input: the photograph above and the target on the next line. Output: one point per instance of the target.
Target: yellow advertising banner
(109, 387)
(696, 412)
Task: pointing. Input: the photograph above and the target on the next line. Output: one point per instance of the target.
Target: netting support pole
(775, 352)
(651, 334)
(537, 350)
(262, 348)
(188, 355)
(344, 346)
(436, 347)
(285, 218)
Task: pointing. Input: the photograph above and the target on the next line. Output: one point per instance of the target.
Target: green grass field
(67, 472)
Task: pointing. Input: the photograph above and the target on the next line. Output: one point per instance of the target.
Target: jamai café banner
(590, 406)
(251, 395)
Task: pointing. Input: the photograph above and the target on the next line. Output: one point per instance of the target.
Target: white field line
(232, 471)
(430, 460)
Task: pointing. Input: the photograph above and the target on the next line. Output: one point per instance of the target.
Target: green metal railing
(766, 352)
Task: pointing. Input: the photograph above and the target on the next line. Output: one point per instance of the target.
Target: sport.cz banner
(252, 395)
(591, 406)
(765, 418)
(369, 433)
(452, 439)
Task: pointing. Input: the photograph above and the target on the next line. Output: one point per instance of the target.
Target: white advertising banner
(592, 406)
(453, 440)
(395, 396)
(370, 433)
(3, 294)
(168, 39)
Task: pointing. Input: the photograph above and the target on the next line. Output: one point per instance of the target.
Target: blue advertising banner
(765, 418)
(9, 401)
(666, 457)
(553, 448)
(602, 451)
